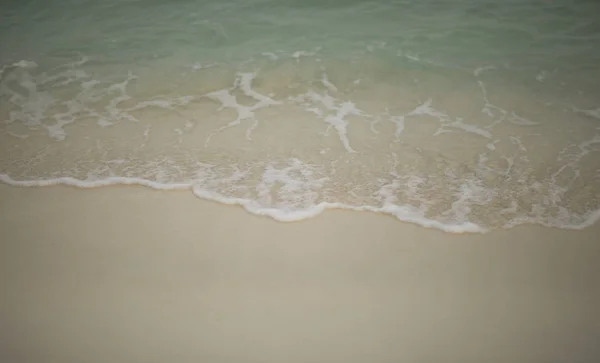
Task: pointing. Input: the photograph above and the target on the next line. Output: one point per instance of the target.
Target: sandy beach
(129, 274)
(265, 181)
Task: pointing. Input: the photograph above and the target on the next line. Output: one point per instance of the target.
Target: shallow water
(459, 115)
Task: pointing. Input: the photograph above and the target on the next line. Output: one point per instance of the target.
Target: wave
(402, 213)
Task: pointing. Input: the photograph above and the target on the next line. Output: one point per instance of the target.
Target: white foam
(477, 72)
(32, 105)
(470, 192)
(327, 83)
(517, 141)
(399, 122)
(270, 55)
(541, 76)
(18, 136)
(93, 183)
(587, 220)
(198, 66)
(521, 121)
(469, 128)
(426, 109)
(491, 145)
(25, 64)
(409, 55)
(337, 120)
(401, 212)
(595, 113)
(304, 53)
(244, 83)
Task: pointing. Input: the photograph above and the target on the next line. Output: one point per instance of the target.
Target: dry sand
(128, 274)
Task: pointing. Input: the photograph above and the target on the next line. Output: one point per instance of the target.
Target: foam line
(402, 213)
(93, 183)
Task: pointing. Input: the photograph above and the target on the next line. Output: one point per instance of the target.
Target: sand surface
(128, 274)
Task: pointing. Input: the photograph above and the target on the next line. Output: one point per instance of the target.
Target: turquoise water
(460, 115)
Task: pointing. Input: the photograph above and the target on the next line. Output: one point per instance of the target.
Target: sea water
(464, 115)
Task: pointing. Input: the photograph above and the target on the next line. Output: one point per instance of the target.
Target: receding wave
(442, 135)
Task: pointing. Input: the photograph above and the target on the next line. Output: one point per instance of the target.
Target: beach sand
(130, 274)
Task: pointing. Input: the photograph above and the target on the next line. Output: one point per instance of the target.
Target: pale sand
(128, 274)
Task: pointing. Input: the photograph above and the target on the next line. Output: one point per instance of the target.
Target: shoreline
(132, 274)
(296, 216)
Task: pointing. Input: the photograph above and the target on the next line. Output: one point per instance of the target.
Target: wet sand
(129, 274)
